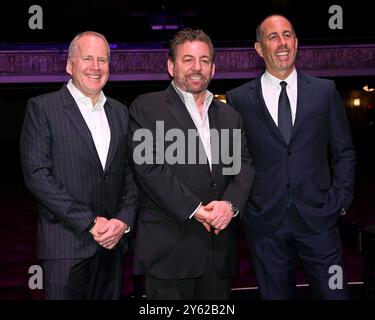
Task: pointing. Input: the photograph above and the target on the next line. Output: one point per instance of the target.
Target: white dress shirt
(271, 90)
(202, 122)
(96, 120)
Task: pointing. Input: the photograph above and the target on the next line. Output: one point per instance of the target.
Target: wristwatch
(234, 209)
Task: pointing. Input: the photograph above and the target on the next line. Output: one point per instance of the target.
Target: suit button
(289, 153)
(288, 185)
(105, 177)
(213, 184)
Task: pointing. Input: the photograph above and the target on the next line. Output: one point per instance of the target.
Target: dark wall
(231, 21)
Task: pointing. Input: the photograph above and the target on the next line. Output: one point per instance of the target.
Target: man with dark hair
(74, 159)
(189, 199)
(298, 136)
(189, 35)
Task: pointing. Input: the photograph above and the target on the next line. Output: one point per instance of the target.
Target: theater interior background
(32, 62)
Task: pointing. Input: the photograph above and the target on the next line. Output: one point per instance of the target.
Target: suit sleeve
(229, 99)
(129, 200)
(232, 101)
(238, 189)
(341, 151)
(157, 181)
(35, 150)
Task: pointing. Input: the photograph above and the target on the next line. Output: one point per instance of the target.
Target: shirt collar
(186, 96)
(80, 98)
(291, 80)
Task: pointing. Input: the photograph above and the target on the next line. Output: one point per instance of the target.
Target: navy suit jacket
(63, 172)
(315, 171)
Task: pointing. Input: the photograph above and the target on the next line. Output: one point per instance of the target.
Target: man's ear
(213, 70)
(68, 67)
(258, 48)
(170, 65)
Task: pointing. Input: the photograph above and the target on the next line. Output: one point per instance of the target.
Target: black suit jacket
(63, 171)
(315, 171)
(169, 245)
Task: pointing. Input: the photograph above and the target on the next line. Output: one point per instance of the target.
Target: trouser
(274, 259)
(98, 277)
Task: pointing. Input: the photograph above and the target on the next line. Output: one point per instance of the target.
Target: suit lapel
(178, 110)
(215, 149)
(113, 126)
(304, 91)
(72, 112)
(257, 101)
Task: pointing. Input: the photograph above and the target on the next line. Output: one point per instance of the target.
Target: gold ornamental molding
(48, 65)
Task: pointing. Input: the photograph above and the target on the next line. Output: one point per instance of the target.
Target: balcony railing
(48, 65)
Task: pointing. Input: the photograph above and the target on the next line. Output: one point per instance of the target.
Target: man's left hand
(115, 230)
(221, 214)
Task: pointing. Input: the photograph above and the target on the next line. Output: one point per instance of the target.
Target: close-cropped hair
(73, 44)
(259, 31)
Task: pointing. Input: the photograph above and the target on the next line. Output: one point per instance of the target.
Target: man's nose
(282, 41)
(95, 64)
(197, 65)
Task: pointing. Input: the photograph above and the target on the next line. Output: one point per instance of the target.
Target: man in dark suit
(74, 159)
(189, 193)
(299, 138)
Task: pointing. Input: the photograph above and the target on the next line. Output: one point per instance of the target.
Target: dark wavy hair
(189, 35)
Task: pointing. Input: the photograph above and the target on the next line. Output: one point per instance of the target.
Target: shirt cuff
(127, 230)
(92, 224)
(192, 215)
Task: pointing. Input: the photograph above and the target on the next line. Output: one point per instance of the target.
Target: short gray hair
(73, 44)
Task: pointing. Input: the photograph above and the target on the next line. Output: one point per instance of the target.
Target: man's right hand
(100, 227)
(203, 216)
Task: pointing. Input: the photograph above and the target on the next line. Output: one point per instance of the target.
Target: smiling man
(74, 159)
(186, 233)
(88, 64)
(298, 136)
